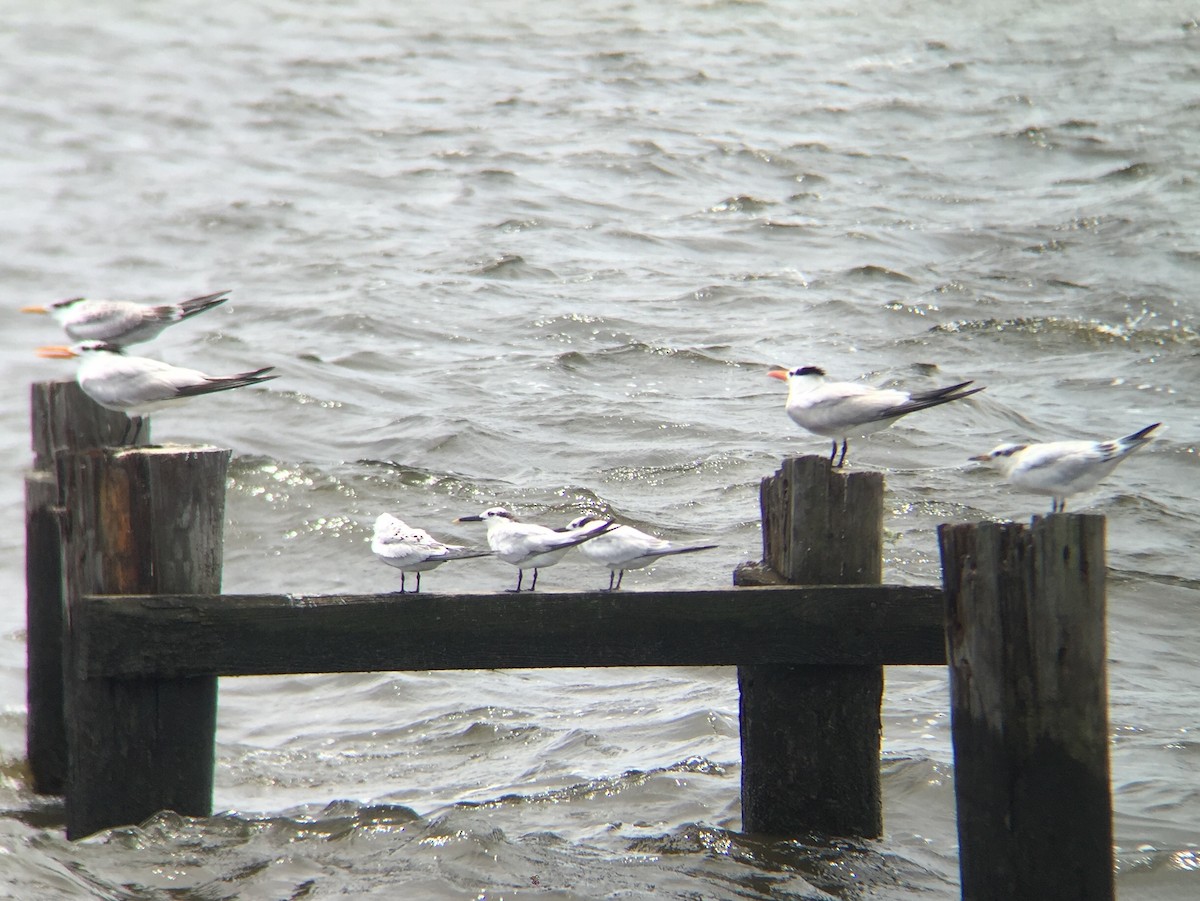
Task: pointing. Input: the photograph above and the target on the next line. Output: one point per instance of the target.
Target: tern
(136, 386)
(842, 410)
(413, 550)
(624, 547)
(121, 321)
(1063, 468)
(527, 545)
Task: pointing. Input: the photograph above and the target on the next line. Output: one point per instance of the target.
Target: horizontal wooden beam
(240, 635)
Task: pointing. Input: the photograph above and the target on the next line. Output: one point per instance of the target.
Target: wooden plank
(139, 520)
(1025, 631)
(811, 735)
(260, 634)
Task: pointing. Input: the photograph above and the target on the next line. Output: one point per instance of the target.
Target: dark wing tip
(1137, 436)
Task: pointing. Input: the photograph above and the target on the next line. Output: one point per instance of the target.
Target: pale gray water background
(542, 254)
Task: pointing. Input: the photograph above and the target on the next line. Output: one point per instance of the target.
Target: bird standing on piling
(842, 410)
(123, 322)
(527, 545)
(413, 550)
(1063, 468)
(624, 547)
(139, 385)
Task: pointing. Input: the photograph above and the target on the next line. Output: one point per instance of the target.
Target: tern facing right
(139, 385)
(625, 547)
(842, 410)
(1063, 468)
(527, 545)
(412, 550)
(121, 321)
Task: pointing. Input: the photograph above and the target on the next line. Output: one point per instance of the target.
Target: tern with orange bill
(122, 322)
(843, 410)
(136, 386)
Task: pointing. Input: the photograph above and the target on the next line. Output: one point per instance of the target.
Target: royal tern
(412, 550)
(136, 386)
(121, 321)
(624, 547)
(527, 545)
(842, 410)
(1063, 468)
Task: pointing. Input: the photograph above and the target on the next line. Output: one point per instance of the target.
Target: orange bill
(56, 352)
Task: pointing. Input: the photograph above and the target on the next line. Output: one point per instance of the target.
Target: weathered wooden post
(1025, 640)
(63, 418)
(811, 735)
(140, 521)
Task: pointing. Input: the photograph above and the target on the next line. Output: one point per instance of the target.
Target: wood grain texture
(1025, 633)
(63, 419)
(811, 734)
(139, 520)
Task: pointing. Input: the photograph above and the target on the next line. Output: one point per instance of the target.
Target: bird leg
(611, 575)
(520, 576)
(620, 576)
(402, 581)
(842, 460)
(533, 584)
(418, 590)
(833, 453)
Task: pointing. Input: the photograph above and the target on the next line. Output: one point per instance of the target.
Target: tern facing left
(842, 410)
(139, 385)
(625, 547)
(121, 321)
(527, 545)
(1063, 468)
(413, 550)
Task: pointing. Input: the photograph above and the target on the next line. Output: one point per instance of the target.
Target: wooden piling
(811, 735)
(1025, 641)
(139, 521)
(63, 419)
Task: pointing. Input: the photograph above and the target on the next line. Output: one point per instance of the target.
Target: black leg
(418, 591)
(611, 575)
(833, 452)
(402, 581)
(533, 584)
(620, 576)
(520, 575)
(842, 460)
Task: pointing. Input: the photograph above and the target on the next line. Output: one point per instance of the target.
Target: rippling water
(542, 254)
